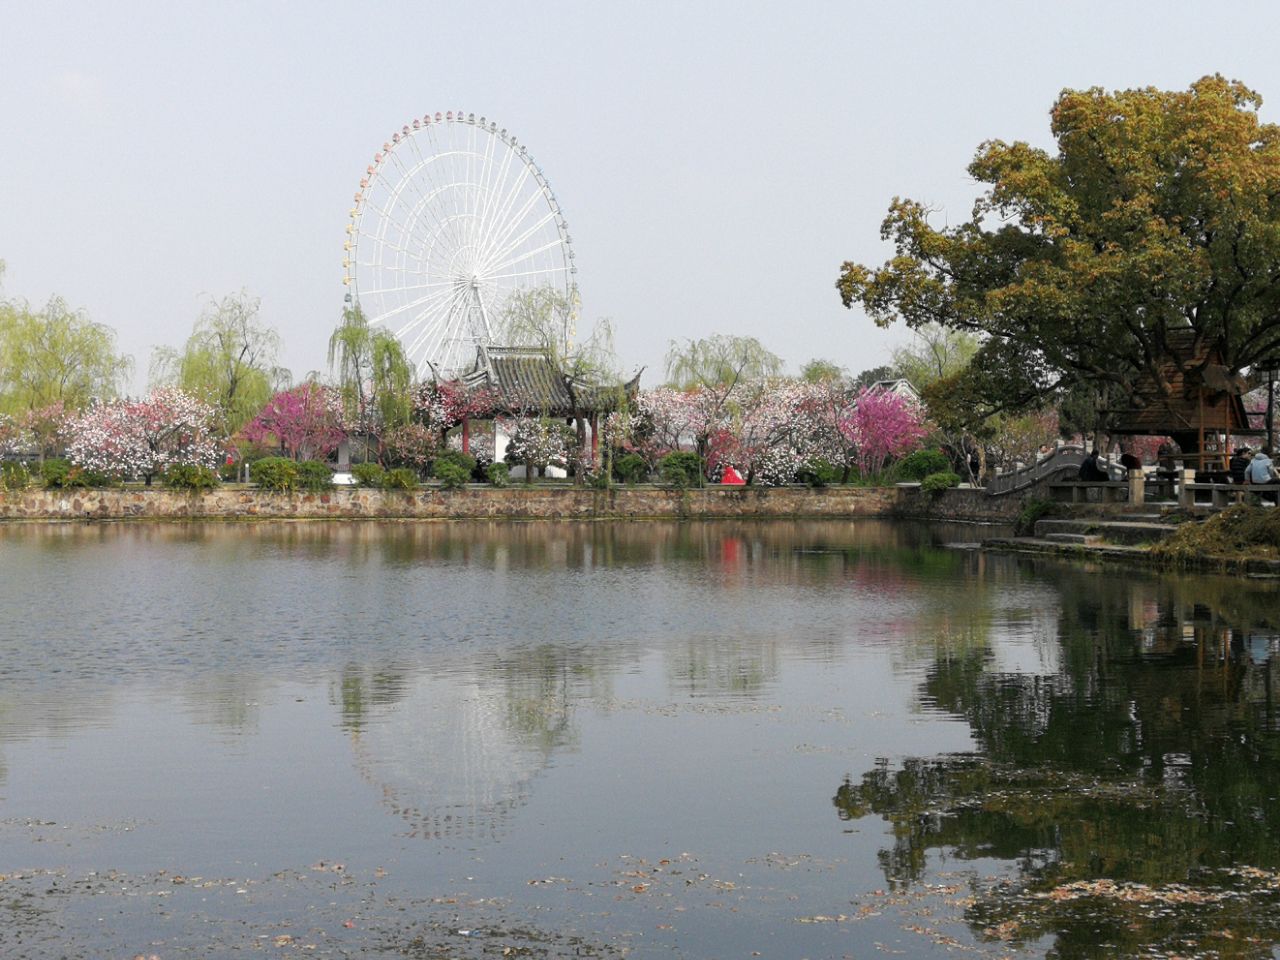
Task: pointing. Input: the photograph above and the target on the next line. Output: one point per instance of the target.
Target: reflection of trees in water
(455, 752)
(723, 666)
(1151, 757)
(227, 700)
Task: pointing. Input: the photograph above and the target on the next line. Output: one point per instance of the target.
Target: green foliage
(315, 476)
(1154, 215)
(14, 476)
(719, 361)
(937, 482)
(630, 468)
(55, 355)
(275, 473)
(921, 463)
(229, 362)
(56, 474)
(499, 474)
(681, 469)
(874, 375)
(185, 476)
(818, 370)
(599, 479)
(453, 458)
(1024, 524)
(401, 478)
(368, 474)
(364, 356)
(819, 473)
(451, 474)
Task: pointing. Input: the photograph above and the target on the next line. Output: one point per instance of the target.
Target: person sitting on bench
(1261, 470)
(1089, 469)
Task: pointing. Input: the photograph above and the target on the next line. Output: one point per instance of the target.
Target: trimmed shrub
(630, 468)
(274, 473)
(499, 474)
(315, 476)
(368, 474)
(937, 482)
(56, 474)
(680, 469)
(456, 458)
(185, 476)
(452, 474)
(920, 464)
(14, 476)
(401, 478)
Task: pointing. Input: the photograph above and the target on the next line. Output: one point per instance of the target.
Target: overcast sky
(716, 162)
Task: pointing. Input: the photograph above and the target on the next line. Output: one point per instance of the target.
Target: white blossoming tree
(143, 438)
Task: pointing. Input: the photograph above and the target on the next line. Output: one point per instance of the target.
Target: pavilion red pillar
(466, 435)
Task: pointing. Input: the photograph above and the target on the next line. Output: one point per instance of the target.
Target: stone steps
(1085, 539)
(1091, 531)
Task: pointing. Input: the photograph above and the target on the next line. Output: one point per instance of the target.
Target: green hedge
(680, 469)
(190, 477)
(452, 474)
(630, 468)
(314, 476)
(499, 474)
(937, 482)
(274, 473)
(401, 478)
(369, 474)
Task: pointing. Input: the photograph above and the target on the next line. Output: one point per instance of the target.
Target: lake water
(703, 740)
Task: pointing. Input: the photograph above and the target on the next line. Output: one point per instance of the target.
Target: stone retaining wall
(515, 503)
(960, 503)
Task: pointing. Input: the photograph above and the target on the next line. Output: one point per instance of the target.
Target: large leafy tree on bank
(1160, 211)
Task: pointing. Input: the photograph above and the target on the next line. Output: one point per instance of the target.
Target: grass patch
(1241, 531)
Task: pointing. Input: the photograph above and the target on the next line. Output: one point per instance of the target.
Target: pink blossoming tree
(305, 421)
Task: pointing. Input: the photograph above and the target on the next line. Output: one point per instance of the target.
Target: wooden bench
(1077, 491)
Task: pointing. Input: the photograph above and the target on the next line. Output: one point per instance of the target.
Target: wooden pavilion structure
(1196, 401)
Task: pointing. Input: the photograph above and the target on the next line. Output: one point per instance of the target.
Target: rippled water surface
(648, 740)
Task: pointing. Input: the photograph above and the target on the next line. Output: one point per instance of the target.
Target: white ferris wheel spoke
(446, 223)
(515, 244)
(502, 219)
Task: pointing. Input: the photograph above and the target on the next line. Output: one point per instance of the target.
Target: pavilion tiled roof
(525, 379)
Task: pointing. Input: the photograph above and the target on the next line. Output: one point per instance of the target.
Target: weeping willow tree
(229, 361)
(374, 375)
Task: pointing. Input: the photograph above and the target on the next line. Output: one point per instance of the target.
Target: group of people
(1245, 467)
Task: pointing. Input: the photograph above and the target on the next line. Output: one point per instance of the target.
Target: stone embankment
(537, 502)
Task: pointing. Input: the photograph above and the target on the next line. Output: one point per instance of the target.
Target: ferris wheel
(452, 217)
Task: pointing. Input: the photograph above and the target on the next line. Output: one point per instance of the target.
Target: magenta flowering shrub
(882, 426)
(306, 422)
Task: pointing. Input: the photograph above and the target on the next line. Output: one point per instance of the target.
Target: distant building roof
(525, 379)
(902, 387)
